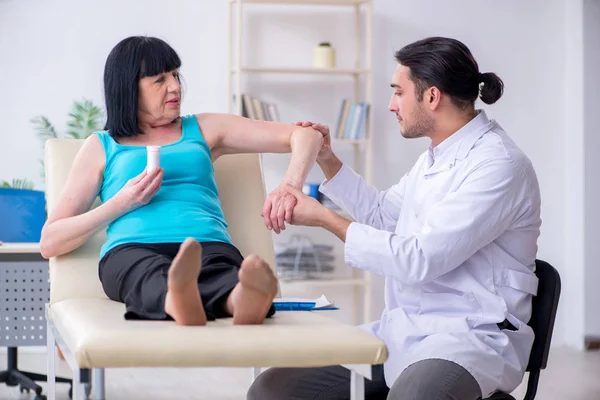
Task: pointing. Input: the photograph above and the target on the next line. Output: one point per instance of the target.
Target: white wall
(53, 51)
(591, 48)
(572, 306)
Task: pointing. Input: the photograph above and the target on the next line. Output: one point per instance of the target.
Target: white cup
(153, 157)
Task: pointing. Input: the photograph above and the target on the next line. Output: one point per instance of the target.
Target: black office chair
(543, 314)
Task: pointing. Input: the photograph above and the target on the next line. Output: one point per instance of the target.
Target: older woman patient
(168, 254)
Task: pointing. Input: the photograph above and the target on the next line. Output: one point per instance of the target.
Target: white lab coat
(456, 239)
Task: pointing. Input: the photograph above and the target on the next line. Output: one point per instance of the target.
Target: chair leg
(256, 372)
(51, 362)
(43, 378)
(99, 383)
(26, 382)
(357, 386)
(3, 376)
(78, 388)
(34, 377)
(532, 384)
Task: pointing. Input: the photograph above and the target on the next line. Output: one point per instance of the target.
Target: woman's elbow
(308, 137)
(47, 245)
(46, 250)
(317, 137)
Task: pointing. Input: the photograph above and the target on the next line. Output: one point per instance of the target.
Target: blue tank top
(186, 205)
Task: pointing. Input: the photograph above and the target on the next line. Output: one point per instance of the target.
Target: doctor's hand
(278, 207)
(308, 211)
(325, 151)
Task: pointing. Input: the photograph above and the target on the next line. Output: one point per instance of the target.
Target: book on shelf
(255, 108)
(351, 120)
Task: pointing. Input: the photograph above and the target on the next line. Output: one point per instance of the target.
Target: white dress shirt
(456, 240)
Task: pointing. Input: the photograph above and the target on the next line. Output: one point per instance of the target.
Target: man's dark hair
(449, 65)
(129, 61)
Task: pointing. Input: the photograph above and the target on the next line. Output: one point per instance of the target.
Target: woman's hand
(308, 210)
(140, 190)
(325, 152)
(278, 208)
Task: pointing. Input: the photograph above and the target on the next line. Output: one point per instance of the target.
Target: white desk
(19, 248)
(24, 290)
(21, 254)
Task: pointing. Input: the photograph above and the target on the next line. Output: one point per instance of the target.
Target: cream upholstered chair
(92, 333)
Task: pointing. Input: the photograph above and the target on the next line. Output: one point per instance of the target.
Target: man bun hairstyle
(448, 64)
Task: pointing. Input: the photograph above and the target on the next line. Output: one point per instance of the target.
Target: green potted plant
(85, 119)
(17, 184)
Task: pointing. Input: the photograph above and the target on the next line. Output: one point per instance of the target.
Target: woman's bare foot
(252, 297)
(183, 302)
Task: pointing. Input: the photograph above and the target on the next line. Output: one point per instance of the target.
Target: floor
(570, 375)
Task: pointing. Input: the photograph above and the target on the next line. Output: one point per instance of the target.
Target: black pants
(431, 379)
(136, 274)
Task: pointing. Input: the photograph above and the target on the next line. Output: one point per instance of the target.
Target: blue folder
(297, 306)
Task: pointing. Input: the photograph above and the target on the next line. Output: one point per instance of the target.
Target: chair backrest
(241, 191)
(543, 314)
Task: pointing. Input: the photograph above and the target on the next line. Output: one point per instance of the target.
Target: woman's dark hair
(449, 65)
(129, 61)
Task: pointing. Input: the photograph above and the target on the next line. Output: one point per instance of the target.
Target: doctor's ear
(432, 97)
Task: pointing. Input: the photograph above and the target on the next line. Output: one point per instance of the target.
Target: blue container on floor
(22, 215)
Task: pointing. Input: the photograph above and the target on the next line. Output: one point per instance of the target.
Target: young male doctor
(456, 240)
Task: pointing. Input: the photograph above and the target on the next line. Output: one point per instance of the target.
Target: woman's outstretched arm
(231, 134)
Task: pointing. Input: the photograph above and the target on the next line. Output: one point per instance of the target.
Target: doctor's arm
(486, 204)
(365, 203)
